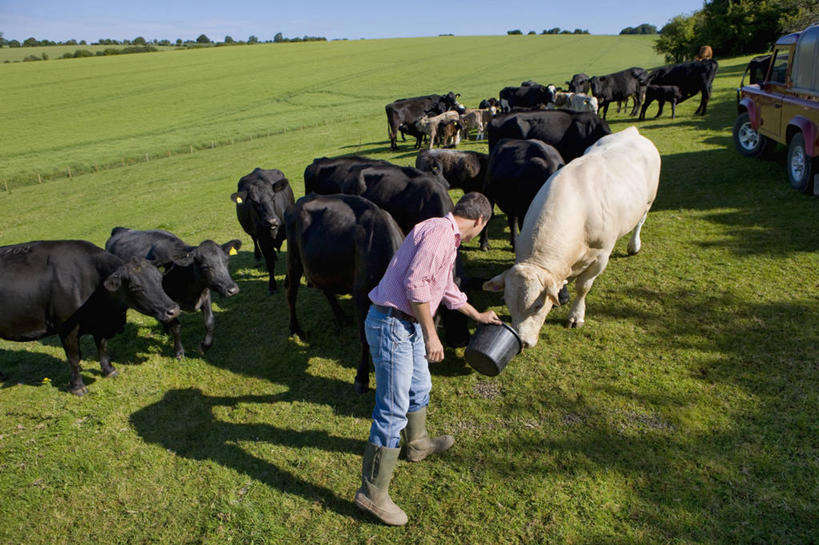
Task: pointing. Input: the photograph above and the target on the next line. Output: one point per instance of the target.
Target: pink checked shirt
(421, 269)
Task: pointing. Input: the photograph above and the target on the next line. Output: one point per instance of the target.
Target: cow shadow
(183, 422)
(33, 368)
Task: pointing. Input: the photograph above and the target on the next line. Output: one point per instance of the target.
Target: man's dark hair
(472, 206)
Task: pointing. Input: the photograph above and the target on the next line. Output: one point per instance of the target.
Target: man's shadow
(183, 421)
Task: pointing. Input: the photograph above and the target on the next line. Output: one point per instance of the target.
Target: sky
(91, 20)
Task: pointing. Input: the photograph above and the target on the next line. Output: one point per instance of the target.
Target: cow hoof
(574, 324)
(180, 355)
(485, 247)
(361, 388)
(113, 373)
(205, 347)
(80, 391)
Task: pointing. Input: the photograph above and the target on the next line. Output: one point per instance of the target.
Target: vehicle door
(770, 101)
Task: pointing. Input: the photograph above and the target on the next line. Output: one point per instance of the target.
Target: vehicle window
(779, 70)
(805, 71)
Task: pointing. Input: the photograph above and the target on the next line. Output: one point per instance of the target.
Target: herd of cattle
(554, 168)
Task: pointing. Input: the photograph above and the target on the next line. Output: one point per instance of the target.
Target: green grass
(684, 412)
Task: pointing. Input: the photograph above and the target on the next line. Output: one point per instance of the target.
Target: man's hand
(488, 317)
(435, 350)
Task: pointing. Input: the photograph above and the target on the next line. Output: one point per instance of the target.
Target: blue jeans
(402, 380)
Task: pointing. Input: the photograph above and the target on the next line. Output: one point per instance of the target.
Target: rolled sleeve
(421, 272)
(453, 297)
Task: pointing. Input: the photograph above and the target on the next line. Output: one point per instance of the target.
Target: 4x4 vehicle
(784, 108)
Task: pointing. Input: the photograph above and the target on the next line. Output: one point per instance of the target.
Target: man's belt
(392, 311)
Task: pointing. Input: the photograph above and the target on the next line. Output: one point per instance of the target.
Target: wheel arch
(808, 129)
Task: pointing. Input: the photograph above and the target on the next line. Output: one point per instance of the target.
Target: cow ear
(239, 197)
(114, 281)
(497, 283)
(281, 185)
(552, 294)
(183, 258)
(232, 247)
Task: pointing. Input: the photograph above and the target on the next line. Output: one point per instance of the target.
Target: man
(402, 340)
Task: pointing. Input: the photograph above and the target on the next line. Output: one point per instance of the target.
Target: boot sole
(363, 502)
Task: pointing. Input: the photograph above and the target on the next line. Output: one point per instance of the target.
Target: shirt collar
(451, 219)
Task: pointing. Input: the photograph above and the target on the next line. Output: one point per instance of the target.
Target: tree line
(555, 30)
(201, 40)
(734, 27)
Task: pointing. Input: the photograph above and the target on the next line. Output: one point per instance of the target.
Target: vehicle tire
(748, 141)
(801, 167)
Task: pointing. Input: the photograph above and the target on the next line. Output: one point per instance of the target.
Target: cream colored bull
(572, 225)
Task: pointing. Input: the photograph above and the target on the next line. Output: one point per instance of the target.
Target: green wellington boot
(376, 474)
(417, 444)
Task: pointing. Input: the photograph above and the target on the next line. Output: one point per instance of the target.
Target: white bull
(572, 225)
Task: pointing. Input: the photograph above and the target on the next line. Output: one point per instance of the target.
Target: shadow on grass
(183, 422)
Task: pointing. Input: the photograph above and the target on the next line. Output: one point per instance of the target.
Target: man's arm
(488, 317)
(435, 350)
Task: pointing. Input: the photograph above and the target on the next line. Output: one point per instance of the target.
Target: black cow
(408, 194)
(569, 132)
(691, 77)
(663, 94)
(579, 84)
(517, 169)
(73, 288)
(619, 86)
(190, 272)
(403, 113)
(261, 199)
(487, 103)
(326, 175)
(454, 169)
(529, 95)
(342, 244)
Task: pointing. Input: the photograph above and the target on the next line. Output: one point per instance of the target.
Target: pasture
(683, 412)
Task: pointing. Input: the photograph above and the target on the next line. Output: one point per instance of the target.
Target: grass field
(684, 412)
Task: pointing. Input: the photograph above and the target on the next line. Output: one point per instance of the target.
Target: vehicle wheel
(801, 167)
(748, 141)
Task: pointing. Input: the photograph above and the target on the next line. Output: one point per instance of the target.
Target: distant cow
(73, 288)
(487, 103)
(663, 94)
(575, 102)
(569, 132)
(402, 114)
(326, 175)
(517, 169)
(477, 120)
(190, 272)
(572, 225)
(704, 53)
(430, 126)
(579, 83)
(261, 199)
(691, 77)
(531, 95)
(342, 244)
(454, 169)
(619, 86)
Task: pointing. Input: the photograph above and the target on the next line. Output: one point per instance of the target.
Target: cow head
(210, 264)
(265, 201)
(579, 83)
(139, 285)
(430, 161)
(529, 292)
(451, 101)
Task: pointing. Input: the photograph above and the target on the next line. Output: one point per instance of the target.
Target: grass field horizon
(683, 412)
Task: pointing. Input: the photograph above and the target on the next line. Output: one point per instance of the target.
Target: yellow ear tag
(232, 251)
(238, 200)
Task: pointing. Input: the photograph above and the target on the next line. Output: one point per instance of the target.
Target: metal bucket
(492, 347)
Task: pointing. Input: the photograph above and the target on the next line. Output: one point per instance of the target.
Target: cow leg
(257, 252)
(71, 345)
(644, 108)
(105, 358)
(673, 109)
(291, 289)
(634, 243)
(577, 314)
(341, 318)
(210, 322)
(605, 109)
(362, 375)
(270, 261)
(660, 104)
(174, 328)
(636, 107)
(513, 223)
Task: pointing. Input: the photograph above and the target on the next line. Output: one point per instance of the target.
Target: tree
(253, 40)
(645, 28)
(202, 39)
(14, 43)
(2, 40)
(139, 40)
(228, 40)
(678, 38)
(515, 32)
(30, 42)
(179, 41)
(278, 37)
